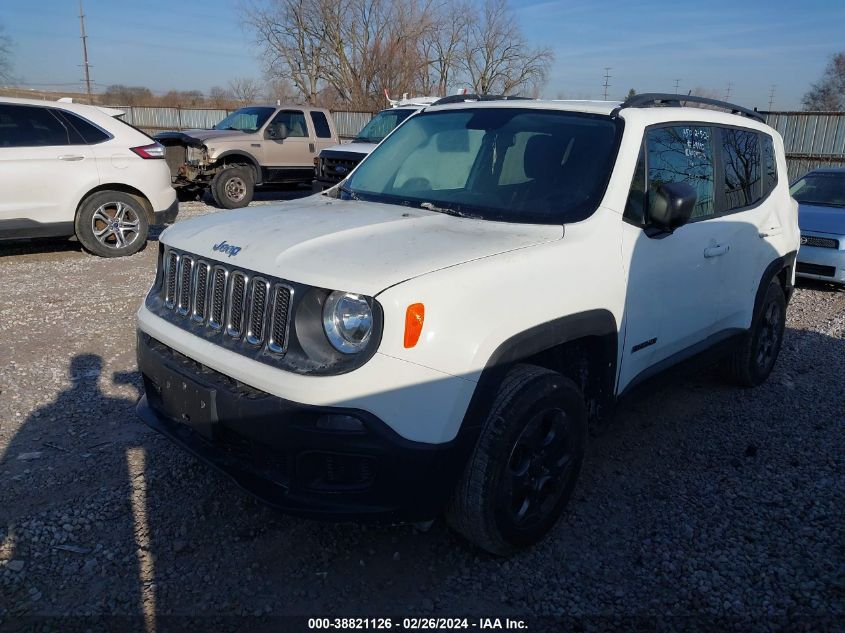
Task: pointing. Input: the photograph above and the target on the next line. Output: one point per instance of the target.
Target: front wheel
(754, 359)
(525, 464)
(111, 224)
(233, 187)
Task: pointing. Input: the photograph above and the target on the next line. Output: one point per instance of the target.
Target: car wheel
(112, 224)
(525, 464)
(755, 358)
(233, 187)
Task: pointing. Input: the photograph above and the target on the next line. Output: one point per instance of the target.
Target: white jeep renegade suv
(437, 332)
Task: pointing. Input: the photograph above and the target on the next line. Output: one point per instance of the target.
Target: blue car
(821, 216)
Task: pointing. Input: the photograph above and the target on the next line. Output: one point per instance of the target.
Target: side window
(635, 205)
(741, 160)
(294, 120)
(321, 125)
(770, 168)
(31, 126)
(683, 153)
(89, 132)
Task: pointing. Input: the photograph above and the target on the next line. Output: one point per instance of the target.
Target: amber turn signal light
(414, 317)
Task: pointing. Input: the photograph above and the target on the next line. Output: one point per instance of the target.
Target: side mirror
(671, 204)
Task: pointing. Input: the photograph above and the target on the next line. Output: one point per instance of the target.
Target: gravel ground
(703, 506)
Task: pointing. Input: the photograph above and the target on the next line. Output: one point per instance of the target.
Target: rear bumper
(282, 451)
(168, 215)
(826, 264)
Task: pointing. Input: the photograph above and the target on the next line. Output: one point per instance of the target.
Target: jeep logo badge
(229, 249)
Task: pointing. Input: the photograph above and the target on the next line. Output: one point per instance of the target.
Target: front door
(675, 293)
(290, 158)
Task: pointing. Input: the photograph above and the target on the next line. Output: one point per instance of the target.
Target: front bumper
(825, 264)
(283, 453)
(168, 215)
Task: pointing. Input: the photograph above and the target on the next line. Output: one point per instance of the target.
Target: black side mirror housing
(671, 205)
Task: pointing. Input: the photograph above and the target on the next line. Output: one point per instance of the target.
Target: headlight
(348, 321)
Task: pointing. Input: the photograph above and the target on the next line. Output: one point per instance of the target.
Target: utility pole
(677, 85)
(85, 65)
(772, 96)
(606, 80)
(728, 91)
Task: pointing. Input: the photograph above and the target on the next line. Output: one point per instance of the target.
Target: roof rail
(475, 97)
(657, 99)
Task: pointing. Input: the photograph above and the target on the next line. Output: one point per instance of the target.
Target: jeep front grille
(230, 302)
(821, 242)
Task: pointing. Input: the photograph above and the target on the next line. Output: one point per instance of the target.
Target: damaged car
(253, 146)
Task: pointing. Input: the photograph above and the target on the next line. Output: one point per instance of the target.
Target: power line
(606, 80)
(85, 65)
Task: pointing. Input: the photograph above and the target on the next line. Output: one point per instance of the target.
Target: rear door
(323, 135)
(747, 218)
(291, 158)
(45, 168)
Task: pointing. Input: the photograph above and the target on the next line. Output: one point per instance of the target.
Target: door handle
(715, 251)
(772, 230)
(71, 157)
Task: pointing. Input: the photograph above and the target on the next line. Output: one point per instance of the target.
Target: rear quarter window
(90, 133)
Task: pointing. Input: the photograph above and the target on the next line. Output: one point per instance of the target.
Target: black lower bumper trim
(288, 454)
(168, 216)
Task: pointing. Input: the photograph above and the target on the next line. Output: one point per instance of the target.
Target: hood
(201, 136)
(355, 246)
(821, 219)
(345, 149)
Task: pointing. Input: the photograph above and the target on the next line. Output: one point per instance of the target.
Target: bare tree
(118, 94)
(496, 56)
(829, 92)
(441, 47)
(245, 90)
(281, 91)
(220, 97)
(350, 51)
(292, 39)
(5, 56)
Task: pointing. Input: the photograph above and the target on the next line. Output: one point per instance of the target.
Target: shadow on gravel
(129, 525)
(818, 284)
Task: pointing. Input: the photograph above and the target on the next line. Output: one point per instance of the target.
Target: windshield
(503, 164)
(245, 119)
(381, 125)
(826, 189)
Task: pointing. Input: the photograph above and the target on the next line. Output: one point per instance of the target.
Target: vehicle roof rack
(475, 97)
(657, 100)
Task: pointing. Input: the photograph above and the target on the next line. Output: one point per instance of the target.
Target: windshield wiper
(430, 206)
(352, 195)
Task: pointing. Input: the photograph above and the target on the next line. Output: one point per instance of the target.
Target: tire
(111, 224)
(233, 187)
(526, 462)
(755, 358)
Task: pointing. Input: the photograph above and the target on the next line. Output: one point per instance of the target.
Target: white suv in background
(436, 332)
(335, 163)
(71, 169)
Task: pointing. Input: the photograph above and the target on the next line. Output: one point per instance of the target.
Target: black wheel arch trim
(785, 262)
(252, 161)
(544, 337)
